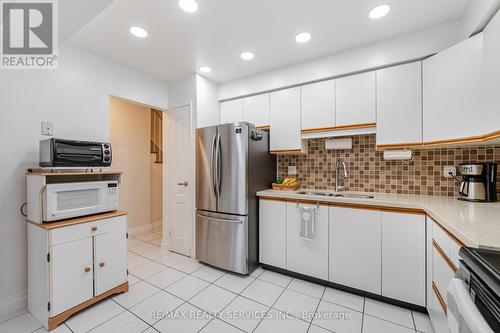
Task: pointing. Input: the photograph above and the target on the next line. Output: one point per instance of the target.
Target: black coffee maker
(479, 182)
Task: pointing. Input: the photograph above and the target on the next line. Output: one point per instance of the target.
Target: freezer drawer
(222, 241)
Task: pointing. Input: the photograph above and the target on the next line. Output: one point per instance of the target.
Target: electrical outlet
(47, 128)
(292, 170)
(449, 169)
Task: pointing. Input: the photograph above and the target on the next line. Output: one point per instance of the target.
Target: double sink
(337, 194)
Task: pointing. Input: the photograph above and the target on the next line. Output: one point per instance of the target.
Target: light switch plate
(47, 128)
(292, 170)
(449, 169)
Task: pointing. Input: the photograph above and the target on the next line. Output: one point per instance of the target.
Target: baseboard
(11, 305)
(140, 229)
(164, 244)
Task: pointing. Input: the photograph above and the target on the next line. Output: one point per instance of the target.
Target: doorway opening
(136, 137)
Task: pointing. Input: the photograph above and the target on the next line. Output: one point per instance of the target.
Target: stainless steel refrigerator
(232, 164)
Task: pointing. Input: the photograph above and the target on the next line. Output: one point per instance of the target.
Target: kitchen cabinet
(256, 110)
(491, 76)
(318, 106)
(399, 105)
(304, 256)
(355, 248)
(231, 111)
(355, 100)
(285, 134)
(75, 263)
(272, 232)
(403, 257)
(453, 93)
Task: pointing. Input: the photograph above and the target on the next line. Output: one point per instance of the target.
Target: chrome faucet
(340, 163)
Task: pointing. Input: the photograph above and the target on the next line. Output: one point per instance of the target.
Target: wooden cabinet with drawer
(75, 263)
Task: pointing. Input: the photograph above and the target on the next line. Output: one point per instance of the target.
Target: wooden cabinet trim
(470, 139)
(60, 318)
(273, 199)
(286, 151)
(445, 257)
(453, 237)
(335, 128)
(263, 127)
(78, 220)
(440, 298)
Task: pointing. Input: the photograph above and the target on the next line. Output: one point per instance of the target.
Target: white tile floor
(172, 293)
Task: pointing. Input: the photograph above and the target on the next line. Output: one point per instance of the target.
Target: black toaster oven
(73, 153)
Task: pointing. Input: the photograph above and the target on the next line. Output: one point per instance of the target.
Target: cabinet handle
(102, 264)
(87, 269)
(94, 229)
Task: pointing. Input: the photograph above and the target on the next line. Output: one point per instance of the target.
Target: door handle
(185, 183)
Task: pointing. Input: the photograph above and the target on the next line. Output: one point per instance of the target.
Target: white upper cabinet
(231, 111)
(318, 105)
(285, 132)
(399, 104)
(491, 75)
(453, 92)
(355, 99)
(256, 110)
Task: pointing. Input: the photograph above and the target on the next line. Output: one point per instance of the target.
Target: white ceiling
(178, 42)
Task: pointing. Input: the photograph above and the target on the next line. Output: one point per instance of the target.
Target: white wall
(75, 97)
(392, 51)
(207, 112)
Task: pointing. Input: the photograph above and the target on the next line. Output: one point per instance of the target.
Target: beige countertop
(474, 224)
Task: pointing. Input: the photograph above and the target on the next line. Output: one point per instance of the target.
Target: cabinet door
(308, 257)
(355, 99)
(110, 259)
(355, 248)
(399, 104)
(285, 133)
(318, 105)
(453, 92)
(491, 74)
(272, 232)
(256, 110)
(231, 111)
(72, 277)
(403, 257)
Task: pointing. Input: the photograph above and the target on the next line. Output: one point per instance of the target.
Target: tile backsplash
(369, 172)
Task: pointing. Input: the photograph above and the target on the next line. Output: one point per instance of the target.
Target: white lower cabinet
(272, 232)
(403, 257)
(307, 256)
(70, 266)
(355, 248)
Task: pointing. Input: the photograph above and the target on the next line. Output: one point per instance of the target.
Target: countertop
(474, 224)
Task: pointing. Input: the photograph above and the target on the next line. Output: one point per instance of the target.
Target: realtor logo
(29, 34)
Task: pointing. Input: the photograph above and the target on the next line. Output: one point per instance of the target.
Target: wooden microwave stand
(76, 262)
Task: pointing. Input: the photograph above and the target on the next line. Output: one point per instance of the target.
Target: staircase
(156, 140)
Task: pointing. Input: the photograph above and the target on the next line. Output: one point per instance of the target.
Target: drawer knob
(87, 269)
(94, 229)
(102, 264)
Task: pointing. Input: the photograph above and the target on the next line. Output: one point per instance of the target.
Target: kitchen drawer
(440, 236)
(85, 230)
(442, 273)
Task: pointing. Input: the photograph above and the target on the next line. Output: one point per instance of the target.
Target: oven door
(67, 200)
(79, 153)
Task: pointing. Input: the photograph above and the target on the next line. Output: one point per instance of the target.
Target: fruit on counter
(279, 181)
(290, 181)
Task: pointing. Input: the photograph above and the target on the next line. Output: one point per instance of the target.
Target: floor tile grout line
(389, 321)
(316, 311)
(363, 314)
(19, 315)
(413, 318)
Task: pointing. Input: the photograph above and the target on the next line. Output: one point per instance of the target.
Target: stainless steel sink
(337, 194)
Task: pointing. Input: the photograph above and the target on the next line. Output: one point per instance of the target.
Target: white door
(179, 168)
(110, 259)
(355, 248)
(72, 276)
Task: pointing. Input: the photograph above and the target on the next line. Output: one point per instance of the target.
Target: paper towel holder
(404, 155)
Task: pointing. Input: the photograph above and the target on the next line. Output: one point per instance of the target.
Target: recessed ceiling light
(247, 55)
(379, 11)
(138, 32)
(205, 69)
(189, 6)
(303, 37)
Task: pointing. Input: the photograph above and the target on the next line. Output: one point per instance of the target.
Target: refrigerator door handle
(219, 165)
(212, 165)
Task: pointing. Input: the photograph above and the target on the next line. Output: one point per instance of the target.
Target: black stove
(480, 270)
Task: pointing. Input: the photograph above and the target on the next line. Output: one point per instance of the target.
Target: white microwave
(68, 200)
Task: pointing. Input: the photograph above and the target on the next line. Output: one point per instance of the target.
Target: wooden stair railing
(156, 140)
